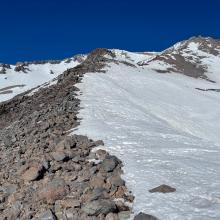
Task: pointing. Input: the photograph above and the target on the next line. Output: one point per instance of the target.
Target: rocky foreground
(46, 173)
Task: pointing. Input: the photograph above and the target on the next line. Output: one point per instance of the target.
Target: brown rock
(101, 154)
(97, 181)
(69, 203)
(32, 173)
(55, 190)
(120, 193)
(58, 156)
(116, 180)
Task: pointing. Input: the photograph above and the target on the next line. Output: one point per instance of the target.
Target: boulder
(55, 190)
(112, 216)
(163, 189)
(116, 180)
(102, 206)
(98, 193)
(143, 216)
(47, 215)
(101, 154)
(33, 172)
(69, 203)
(59, 156)
(109, 165)
(124, 215)
(97, 181)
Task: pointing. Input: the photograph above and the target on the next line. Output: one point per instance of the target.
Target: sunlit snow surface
(36, 75)
(165, 131)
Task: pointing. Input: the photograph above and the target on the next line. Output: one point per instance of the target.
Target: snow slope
(12, 83)
(164, 130)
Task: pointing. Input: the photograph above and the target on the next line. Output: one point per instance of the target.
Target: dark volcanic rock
(143, 216)
(109, 163)
(97, 207)
(163, 189)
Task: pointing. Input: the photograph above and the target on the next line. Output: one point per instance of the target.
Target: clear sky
(55, 29)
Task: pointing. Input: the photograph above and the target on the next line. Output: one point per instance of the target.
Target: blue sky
(55, 29)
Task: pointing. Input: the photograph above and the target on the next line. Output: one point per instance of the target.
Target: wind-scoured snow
(165, 132)
(13, 83)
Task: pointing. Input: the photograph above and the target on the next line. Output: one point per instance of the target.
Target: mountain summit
(196, 57)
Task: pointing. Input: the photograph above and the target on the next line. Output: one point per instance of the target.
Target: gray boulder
(163, 189)
(96, 207)
(47, 215)
(143, 216)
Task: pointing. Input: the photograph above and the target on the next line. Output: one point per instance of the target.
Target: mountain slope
(165, 132)
(164, 127)
(197, 57)
(23, 76)
(157, 112)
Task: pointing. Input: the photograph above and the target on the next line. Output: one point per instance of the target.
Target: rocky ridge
(187, 57)
(47, 173)
(23, 66)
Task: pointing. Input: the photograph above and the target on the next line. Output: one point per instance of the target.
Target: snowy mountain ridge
(16, 79)
(197, 57)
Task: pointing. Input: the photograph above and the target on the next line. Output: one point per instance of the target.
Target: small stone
(163, 189)
(69, 142)
(121, 192)
(98, 143)
(70, 203)
(112, 216)
(77, 167)
(71, 214)
(59, 156)
(46, 164)
(55, 190)
(10, 189)
(97, 207)
(108, 165)
(143, 216)
(101, 154)
(47, 215)
(32, 173)
(97, 181)
(124, 215)
(15, 211)
(2, 198)
(121, 206)
(98, 193)
(116, 180)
